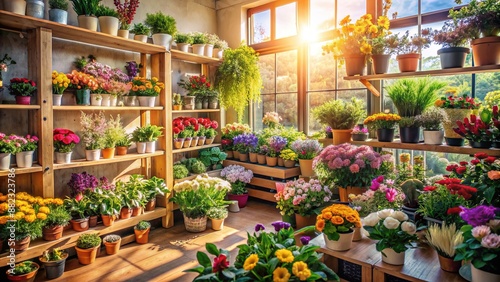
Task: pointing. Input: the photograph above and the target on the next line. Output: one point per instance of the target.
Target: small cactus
(412, 188)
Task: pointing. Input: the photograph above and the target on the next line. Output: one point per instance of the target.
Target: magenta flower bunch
(349, 165)
(26, 143)
(79, 182)
(383, 194)
(99, 70)
(7, 143)
(306, 195)
(276, 144)
(359, 130)
(133, 69)
(481, 238)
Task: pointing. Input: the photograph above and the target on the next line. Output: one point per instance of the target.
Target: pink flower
(390, 194)
(481, 231)
(492, 241)
(354, 168)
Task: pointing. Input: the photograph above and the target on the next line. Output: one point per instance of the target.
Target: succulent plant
(412, 188)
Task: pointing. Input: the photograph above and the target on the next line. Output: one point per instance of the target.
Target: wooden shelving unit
(196, 111)
(34, 168)
(19, 107)
(116, 159)
(195, 148)
(98, 108)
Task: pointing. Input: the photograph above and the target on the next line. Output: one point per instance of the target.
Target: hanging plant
(238, 79)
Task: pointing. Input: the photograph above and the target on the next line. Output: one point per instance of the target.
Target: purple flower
(479, 215)
(278, 225)
(79, 182)
(246, 142)
(305, 240)
(276, 144)
(259, 227)
(491, 241)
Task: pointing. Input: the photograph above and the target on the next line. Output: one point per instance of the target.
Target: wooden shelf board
(99, 108)
(192, 58)
(19, 107)
(213, 173)
(278, 172)
(24, 23)
(396, 144)
(265, 183)
(263, 195)
(34, 168)
(69, 237)
(196, 111)
(195, 148)
(442, 72)
(116, 159)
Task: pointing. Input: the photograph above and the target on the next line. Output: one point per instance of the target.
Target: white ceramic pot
(150, 147)
(147, 101)
(24, 159)
(123, 33)
(109, 25)
(113, 101)
(93, 155)
(141, 147)
(88, 22)
(140, 37)
(391, 257)
(184, 47)
(15, 6)
(95, 99)
(63, 158)
(56, 99)
(130, 101)
(106, 100)
(199, 49)
(5, 161)
(433, 137)
(209, 50)
(342, 244)
(162, 39)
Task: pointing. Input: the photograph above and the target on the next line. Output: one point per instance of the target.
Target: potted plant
(394, 234)
(432, 121)
(306, 151)
(131, 196)
(477, 129)
(123, 144)
(412, 188)
(108, 20)
(87, 246)
(199, 41)
(163, 28)
(93, 134)
(196, 86)
(180, 171)
(217, 216)
(56, 220)
(244, 143)
(219, 47)
(240, 90)
(153, 187)
(145, 138)
(83, 83)
(411, 97)
(359, 133)
(141, 231)
(58, 11)
(444, 239)
(146, 90)
(384, 123)
(25, 148)
(383, 47)
(23, 271)
(23, 89)
(194, 203)
(183, 41)
(338, 229)
(409, 48)
(15, 6)
(210, 130)
(77, 207)
(409, 130)
(53, 261)
(112, 243)
(176, 102)
(453, 37)
(482, 21)
(238, 176)
(141, 32)
(86, 11)
(7, 148)
(64, 142)
(59, 84)
(109, 205)
(341, 117)
(289, 157)
(126, 12)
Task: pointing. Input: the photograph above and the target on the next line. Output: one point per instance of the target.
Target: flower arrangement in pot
(25, 148)
(183, 41)
(306, 151)
(7, 148)
(245, 143)
(152, 188)
(53, 261)
(108, 19)
(141, 32)
(146, 137)
(126, 12)
(141, 231)
(409, 48)
(238, 177)
(64, 142)
(453, 36)
(337, 222)
(56, 220)
(350, 168)
(210, 129)
(163, 27)
(432, 121)
(86, 11)
(198, 87)
(93, 134)
(23, 89)
(87, 246)
(217, 216)
(146, 90)
(60, 82)
(229, 131)
(112, 243)
(359, 133)
(289, 157)
(341, 116)
(23, 271)
(384, 123)
(394, 233)
(200, 40)
(83, 83)
(477, 129)
(272, 119)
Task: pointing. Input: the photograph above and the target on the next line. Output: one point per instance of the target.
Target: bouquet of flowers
(80, 80)
(142, 86)
(349, 165)
(276, 144)
(391, 228)
(196, 85)
(25, 144)
(288, 155)
(22, 87)
(382, 120)
(93, 129)
(238, 176)
(7, 143)
(99, 70)
(118, 88)
(271, 119)
(209, 126)
(481, 238)
(383, 194)
(457, 102)
(59, 82)
(476, 128)
(80, 182)
(126, 12)
(306, 149)
(359, 130)
(269, 255)
(337, 219)
(306, 195)
(229, 131)
(64, 140)
(246, 142)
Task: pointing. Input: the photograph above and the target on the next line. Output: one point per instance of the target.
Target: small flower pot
(359, 137)
(112, 248)
(458, 142)
(80, 224)
(121, 150)
(51, 233)
(86, 256)
(480, 144)
(108, 153)
(141, 236)
(385, 134)
(54, 269)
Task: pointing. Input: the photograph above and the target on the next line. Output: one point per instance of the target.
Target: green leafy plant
(85, 7)
(59, 4)
(433, 118)
(58, 216)
(339, 114)
(131, 192)
(199, 38)
(176, 99)
(23, 268)
(140, 29)
(111, 238)
(217, 212)
(161, 23)
(180, 171)
(142, 225)
(108, 201)
(114, 132)
(198, 167)
(412, 189)
(125, 141)
(147, 133)
(212, 157)
(413, 96)
(238, 79)
(183, 38)
(54, 255)
(408, 122)
(105, 11)
(88, 241)
(153, 187)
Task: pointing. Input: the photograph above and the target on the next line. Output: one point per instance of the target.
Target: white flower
(391, 223)
(399, 215)
(385, 213)
(370, 220)
(408, 227)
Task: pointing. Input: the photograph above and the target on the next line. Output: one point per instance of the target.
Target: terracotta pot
(261, 159)
(281, 161)
(178, 143)
(201, 140)
(217, 224)
(150, 205)
(108, 220)
(486, 51)
(408, 62)
(242, 199)
(243, 157)
(93, 221)
(289, 163)
(28, 277)
(342, 244)
(355, 64)
(306, 169)
(112, 247)
(86, 256)
(22, 244)
(141, 236)
(209, 141)
(52, 233)
(303, 221)
(121, 150)
(344, 192)
(137, 211)
(194, 141)
(341, 136)
(357, 235)
(108, 153)
(80, 224)
(252, 157)
(229, 154)
(187, 142)
(271, 161)
(236, 154)
(176, 107)
(448, 264)
(125, 213)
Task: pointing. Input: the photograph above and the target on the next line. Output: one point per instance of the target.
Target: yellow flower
(301, 270)
(154, 79)
(284, 255)
(19, 215)
(383, 21)
(281, 274)
(251, 262)
(41, 216)
(337, 220)
(3, 207)
(345, 20)
(320, 225)
(366, 48)
(58, 201)
(30, 218)
(45, 210)
(3, 219)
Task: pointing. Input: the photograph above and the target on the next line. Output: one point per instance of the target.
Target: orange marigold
(337, 220)
(320, 225)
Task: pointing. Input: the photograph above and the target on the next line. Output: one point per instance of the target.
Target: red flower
(176, 130)
(430, 188)
(475, 161)
(220, 263)
(481, 156)
(490, 160)
(454, 210)
(461, 170)
(214, 124)
(463, 163)
(451, 167)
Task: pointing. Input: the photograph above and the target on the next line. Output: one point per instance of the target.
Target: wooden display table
(263, 184)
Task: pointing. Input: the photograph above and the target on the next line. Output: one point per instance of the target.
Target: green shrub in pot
(339, 114)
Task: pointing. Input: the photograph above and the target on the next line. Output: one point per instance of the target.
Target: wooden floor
(169, 251)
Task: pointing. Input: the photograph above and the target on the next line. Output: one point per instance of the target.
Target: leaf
(198, 269)
(489, 256)
(203, 259)
(212, 249)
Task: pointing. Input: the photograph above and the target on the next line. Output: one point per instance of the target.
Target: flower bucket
(83, 97)
(147, 101)
(93, 155)
(391, 257)
(5, 161)
(342, 244)
(105, 100)
(23, 100)
(35, 8)
(24, 159)
(63, 158)
(56, 99)
(58, 16)
(195, 224)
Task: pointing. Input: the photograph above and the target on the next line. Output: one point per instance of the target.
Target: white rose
(370, 220)
(391, 223)
(408, 227)
(399, 215)
(385, 213)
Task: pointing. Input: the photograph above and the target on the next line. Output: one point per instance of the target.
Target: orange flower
(494, 174)
(337, 220)
(320, 224)
(327, 215)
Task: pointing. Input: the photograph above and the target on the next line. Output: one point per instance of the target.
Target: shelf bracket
(370, 87)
